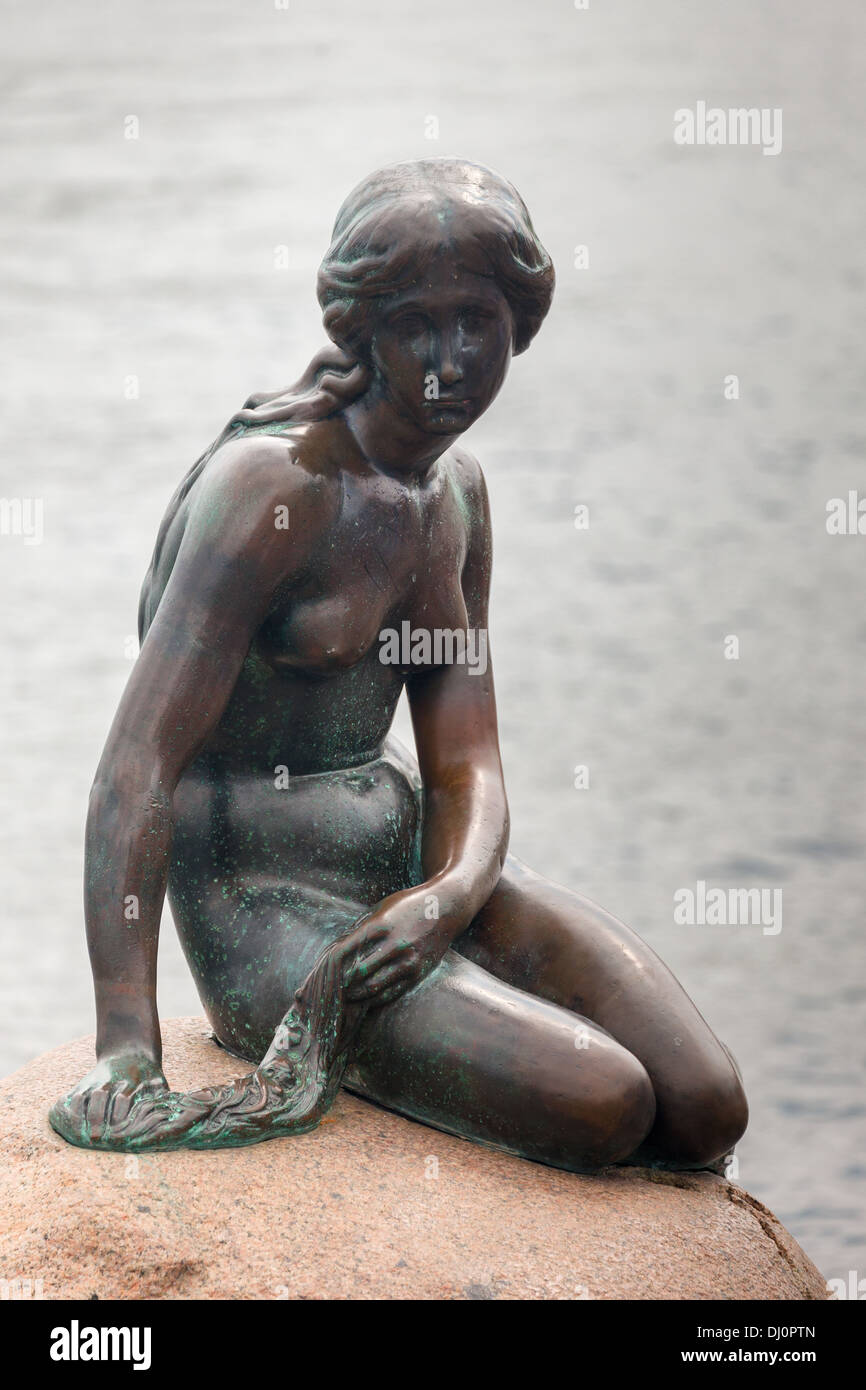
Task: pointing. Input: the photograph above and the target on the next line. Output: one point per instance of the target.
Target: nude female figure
(250, 770)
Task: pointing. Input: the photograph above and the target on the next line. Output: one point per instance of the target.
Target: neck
(389, 441)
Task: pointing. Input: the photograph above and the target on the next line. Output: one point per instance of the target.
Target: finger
(65, 1116)
(119, 1100)
(117, 1108)
(358, 972)
(388, 975)
(125, 1103)
(393, 992)
(391, 949)
(153, 1086)
(362, 966)
(365, 934)
(389, 953)
(86, 1134)
(109, 1110)
(94, 1113)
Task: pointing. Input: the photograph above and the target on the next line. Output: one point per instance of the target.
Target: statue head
(433, 280)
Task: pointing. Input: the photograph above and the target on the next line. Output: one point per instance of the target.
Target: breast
(321, 635)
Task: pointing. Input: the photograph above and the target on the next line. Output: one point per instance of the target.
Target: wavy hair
(387, 232)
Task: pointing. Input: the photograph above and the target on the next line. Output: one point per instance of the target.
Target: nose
(450, 371)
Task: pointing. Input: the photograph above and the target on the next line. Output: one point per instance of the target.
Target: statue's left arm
(465, 828)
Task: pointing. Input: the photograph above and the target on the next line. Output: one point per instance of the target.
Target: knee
(623, 1114)
(708, 1121)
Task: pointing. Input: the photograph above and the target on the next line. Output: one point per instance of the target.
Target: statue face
(442, 347)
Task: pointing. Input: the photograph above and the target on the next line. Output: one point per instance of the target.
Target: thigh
(468, 1053)
(546, 939)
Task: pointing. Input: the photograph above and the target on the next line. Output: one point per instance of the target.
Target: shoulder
(252, 476)
(465, 470)
(467, 481)
(470, 491)
(263, 464)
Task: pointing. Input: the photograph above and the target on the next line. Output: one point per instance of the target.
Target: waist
(345, 828)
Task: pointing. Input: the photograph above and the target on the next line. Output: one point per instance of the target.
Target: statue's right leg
(468, 1053)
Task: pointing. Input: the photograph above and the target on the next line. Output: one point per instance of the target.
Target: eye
(410, 325)
(474, 320)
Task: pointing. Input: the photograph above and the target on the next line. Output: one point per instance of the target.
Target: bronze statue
(347, 915)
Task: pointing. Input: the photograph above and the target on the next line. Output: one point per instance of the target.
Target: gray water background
(155, 258)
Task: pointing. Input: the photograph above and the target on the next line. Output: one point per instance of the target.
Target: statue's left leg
(554, 943)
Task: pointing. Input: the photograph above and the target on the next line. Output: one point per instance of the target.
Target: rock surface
(369, 1205)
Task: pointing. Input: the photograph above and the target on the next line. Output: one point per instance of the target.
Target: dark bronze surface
(347, 914)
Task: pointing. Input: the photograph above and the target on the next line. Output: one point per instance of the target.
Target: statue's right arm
(231, 559)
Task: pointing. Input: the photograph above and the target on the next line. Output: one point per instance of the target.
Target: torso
(300, 813)
(313, 694)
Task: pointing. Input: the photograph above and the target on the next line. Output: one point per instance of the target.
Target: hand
(101, 1102)
(393, 948)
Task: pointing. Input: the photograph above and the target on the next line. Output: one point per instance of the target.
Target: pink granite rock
(369, 1205)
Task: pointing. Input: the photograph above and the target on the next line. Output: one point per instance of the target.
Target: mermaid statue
(352, 916)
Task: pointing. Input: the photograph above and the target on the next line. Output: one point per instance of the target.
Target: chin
(440, 426)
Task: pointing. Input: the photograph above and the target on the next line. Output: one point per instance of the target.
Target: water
(152, 262)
